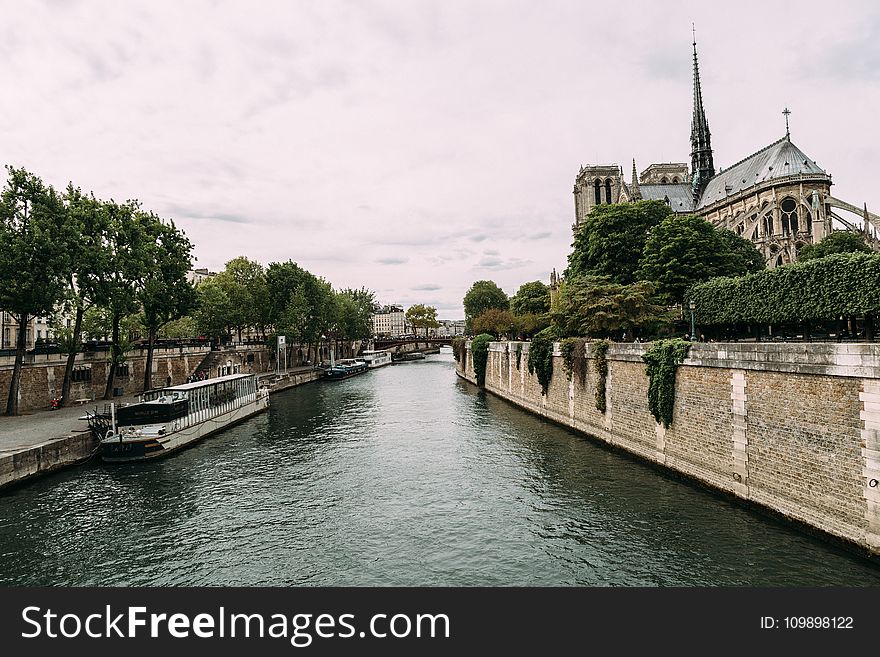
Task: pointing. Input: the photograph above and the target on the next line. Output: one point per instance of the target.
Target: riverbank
(793, 429)
(41, 442)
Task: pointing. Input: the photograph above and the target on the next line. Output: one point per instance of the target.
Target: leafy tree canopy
(840, 241)
(596, 306)
(482, 296)
(422, 316)
(744, 249)
(494, 321)
(611, 241)
(683, 250)
(531, 298)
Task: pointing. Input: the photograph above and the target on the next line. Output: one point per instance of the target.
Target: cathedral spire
(636, 192)
(702, 167)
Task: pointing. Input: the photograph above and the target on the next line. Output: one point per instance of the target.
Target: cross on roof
(786, 112)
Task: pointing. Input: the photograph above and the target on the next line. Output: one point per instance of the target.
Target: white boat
(168, 419)
(376, 358)
(445, 349)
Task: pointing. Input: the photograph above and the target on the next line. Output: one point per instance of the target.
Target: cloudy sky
(415, 146)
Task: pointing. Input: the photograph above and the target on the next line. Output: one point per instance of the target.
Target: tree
(244, 282)
(482, 296)
(683, 250)
(166, 294)
(422, 316)
(123, 263)
(212, 308)
(526, 326)
(495, 321)
(85, 213)
(840, 241)
(300, 304)
(612, 239)
(355, 308)
(597, 307)
(36, 240)
(531, 298)
(743, 249)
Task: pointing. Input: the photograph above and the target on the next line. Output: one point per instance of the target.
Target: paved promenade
(25, 431)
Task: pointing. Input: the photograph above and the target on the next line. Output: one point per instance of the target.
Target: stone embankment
(42, 442)
(791, 428)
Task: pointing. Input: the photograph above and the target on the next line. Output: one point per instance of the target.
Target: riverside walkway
(42, 441)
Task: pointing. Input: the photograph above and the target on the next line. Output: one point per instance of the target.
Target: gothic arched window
(598, 187)
(789, 215)
(608, 191)
(675, 180)
(768, 224)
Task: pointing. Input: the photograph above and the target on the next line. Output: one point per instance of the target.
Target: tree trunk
(71, 357)
(148, 367)
(115, 352)
(15, 383)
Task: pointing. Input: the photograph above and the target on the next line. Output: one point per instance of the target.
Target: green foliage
(531, 299)
(459, 347)
(684, 250)
(482, 296)
(184, 327)
(745, 250)
(301, 306)
(574, 358)
(355, 313)
(611, 241)
(663, 359)
(518, 354)
(494, 321)
(525, 326)
(841, 285)
(596, 306)
(422, 316)
(600, 361)
(837, 242)
(541, 358)
(480, 354)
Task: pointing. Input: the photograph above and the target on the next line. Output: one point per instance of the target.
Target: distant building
(389, 321)
(196, 276)
(38, 329)
(449, 328)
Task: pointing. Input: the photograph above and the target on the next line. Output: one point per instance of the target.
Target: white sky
(415, 146)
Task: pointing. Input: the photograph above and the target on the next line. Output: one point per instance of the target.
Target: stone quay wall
(791, 428)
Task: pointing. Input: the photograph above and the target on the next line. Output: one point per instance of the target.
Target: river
(401, 476)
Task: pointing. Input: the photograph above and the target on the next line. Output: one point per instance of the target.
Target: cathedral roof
(680, 196)
(778, 160)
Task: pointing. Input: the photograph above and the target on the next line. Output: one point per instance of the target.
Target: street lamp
(692, 305)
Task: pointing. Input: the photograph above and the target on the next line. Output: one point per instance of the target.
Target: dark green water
(401, 476)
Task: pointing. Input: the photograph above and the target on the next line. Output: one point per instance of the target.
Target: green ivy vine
(600, 349)
(459, 347)
(574, 358)
(541, 358)
(663, 359)
(518, 354)
(480, 354)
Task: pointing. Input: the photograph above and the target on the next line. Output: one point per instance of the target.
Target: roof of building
(681, 196)
(778, 160)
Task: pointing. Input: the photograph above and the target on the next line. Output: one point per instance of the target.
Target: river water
(402, 476)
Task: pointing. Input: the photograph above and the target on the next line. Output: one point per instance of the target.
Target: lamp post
(692, 307)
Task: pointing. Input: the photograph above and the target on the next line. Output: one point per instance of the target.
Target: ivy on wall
(480, 354)
(518, 354)
(574, 359)
(541, 359)
(663, 359)
(459, 346)
(600, 361)
(841, 285)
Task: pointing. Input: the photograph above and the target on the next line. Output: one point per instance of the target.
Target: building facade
(777, 197)
(389, 321)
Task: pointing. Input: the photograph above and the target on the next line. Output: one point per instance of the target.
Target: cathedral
(777, 197)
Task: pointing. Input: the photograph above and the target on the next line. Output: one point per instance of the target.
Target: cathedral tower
(702, 167)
